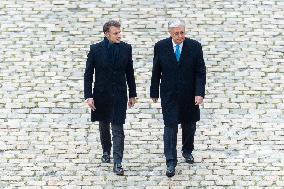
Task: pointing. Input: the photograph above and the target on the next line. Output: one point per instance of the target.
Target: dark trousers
(170, 141)
(117, 138)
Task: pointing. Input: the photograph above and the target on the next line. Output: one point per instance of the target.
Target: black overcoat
(179, 82)
(109, 88)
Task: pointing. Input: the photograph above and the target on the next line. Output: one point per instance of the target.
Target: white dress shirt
(180, 46)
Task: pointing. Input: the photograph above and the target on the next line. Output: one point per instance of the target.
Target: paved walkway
(67, 156)
(46, 141)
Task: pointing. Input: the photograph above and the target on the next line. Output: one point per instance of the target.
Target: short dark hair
(110, 23)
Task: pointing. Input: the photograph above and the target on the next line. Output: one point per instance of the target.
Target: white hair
(175, 23)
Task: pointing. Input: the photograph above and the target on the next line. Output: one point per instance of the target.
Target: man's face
(113, 35)
(178, 34)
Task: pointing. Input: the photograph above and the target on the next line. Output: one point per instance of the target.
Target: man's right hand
(91, 104)
(155, 100)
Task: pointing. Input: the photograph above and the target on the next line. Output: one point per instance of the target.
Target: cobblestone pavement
(228, 155)
(47, 141)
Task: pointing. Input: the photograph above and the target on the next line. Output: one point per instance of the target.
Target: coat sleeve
(130, 76)
(200, 73)
(156, 75)
(88, 75)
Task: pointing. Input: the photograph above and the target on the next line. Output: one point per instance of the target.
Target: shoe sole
(119, 174)
(105, 161)
(190, 162)
(170, 175)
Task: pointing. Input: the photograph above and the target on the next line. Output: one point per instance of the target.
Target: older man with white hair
(180, 73)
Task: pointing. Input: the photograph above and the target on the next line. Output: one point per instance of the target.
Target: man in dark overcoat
(111, 60)
(180, 73)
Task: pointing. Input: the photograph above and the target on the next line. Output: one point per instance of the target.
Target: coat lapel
(119, 53)
(104, 52)
(170, 50)
(186, 51)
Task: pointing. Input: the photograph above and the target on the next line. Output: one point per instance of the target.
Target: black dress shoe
(106, 157)
(188, 158)
(170, 171)
(117, 169)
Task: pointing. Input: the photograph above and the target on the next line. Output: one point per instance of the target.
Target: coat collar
(170, 49)
(186, 48)
(104, 46)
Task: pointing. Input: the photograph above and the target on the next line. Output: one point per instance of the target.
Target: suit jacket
(110, 90)
(180, 81)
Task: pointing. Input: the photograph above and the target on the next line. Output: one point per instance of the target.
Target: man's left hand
(131, 102)
(198, 100)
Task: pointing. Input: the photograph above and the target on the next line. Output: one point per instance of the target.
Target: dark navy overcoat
(111, 79)
(179, 82)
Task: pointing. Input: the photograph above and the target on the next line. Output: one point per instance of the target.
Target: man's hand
(198, 100)
(131, 102)
(91, 104)
(155, 100)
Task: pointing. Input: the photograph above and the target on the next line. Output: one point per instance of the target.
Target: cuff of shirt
(87, 99)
